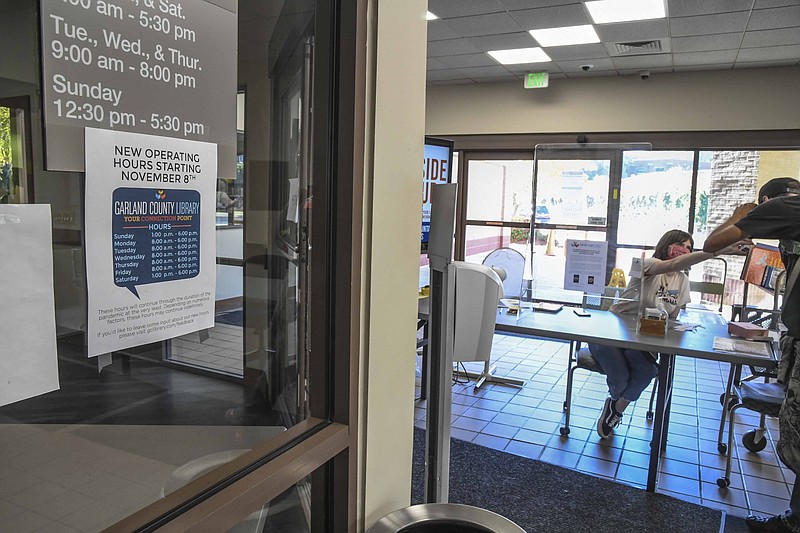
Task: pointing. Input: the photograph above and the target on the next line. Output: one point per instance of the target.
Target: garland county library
(210, 230)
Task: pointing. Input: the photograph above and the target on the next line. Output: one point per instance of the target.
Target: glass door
(194, 431)
(572, 201)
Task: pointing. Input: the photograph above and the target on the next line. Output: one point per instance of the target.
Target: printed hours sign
(150, 238)
(158, 67)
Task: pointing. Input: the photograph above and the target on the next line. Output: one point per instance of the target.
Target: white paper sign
(293, 206)
(150, 238)
(28, 359)
(585, 268)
